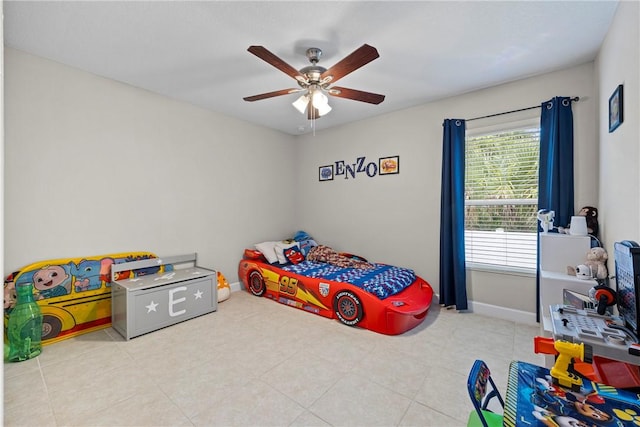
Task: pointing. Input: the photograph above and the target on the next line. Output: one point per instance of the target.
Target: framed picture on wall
(326, 173)
(615, 109)
(389, 165)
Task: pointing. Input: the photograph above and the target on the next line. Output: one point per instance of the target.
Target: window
(501, 197)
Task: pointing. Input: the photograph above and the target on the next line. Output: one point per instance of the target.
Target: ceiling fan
(315, 80)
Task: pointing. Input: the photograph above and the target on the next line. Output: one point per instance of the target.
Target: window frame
(500, 127)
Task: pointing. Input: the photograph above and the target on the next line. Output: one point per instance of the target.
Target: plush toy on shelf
(595, 263)
(596, 259)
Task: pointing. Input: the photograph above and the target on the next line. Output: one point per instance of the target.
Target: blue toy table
(532, 400)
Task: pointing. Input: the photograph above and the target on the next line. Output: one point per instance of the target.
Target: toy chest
(143, 304)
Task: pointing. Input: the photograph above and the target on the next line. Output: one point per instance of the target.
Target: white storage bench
(146, 303)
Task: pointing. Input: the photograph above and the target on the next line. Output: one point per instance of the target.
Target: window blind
(501, 197)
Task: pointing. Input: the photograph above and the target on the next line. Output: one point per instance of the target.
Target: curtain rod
(576, 99)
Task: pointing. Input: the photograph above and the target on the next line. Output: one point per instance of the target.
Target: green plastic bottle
(24, 328)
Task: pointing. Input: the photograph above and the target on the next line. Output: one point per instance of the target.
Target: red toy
(348, 303)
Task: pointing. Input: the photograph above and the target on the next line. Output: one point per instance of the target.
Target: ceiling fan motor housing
(312, 73)
(314, 54)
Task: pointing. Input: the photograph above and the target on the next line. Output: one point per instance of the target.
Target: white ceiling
(197, 51)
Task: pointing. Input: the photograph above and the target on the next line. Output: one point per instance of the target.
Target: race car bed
(379, 297)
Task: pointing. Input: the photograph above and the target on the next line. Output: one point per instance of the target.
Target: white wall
(2, 142)
(396, 218)
(618, 63)
(93, 166)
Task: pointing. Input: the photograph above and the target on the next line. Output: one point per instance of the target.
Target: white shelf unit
(557, 252)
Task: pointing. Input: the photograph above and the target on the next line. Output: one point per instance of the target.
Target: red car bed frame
(348, 303)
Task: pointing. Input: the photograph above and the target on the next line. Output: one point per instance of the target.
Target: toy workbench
(142, 304)
(604, 333)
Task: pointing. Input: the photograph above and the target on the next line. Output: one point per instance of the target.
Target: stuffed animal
(595, 263)
(596, 259)
(591, 215)
(224, 290)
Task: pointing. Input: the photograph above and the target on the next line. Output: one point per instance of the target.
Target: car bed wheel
(348, 308)
(256, 284)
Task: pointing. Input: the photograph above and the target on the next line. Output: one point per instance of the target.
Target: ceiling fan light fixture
(323, 109)
(320, 102)
(300, 104)
(319, 99)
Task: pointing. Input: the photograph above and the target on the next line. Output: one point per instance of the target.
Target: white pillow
(280, 247)
(268, 250)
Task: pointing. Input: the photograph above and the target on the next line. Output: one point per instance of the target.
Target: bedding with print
(322, 253)
(379, 279)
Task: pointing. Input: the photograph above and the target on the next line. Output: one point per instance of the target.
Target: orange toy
(544, 345)
(224, 290)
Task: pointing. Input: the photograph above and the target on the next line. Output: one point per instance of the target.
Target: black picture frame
(616, 110)
(325, 173)
(389, 165)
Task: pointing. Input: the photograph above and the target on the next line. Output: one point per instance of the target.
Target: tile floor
(258, 363)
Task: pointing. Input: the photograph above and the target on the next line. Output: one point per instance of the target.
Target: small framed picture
(326, 173)
(615, 109)
(389, 165)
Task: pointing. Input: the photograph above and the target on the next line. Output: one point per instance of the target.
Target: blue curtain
(453, 280)
(555, 180)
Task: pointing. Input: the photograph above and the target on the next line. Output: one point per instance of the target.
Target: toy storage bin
(147, 303)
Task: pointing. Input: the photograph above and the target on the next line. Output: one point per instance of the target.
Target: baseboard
(505, 313)
(235, 286)
(499, 312)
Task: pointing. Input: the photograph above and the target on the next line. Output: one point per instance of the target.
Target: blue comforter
(382, 280)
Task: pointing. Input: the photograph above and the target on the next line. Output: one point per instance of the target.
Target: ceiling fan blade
(271, 94)
(356, 95)
(356, 59)
(264, 54)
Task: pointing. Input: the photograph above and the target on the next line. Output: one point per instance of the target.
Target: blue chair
(477, 385)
